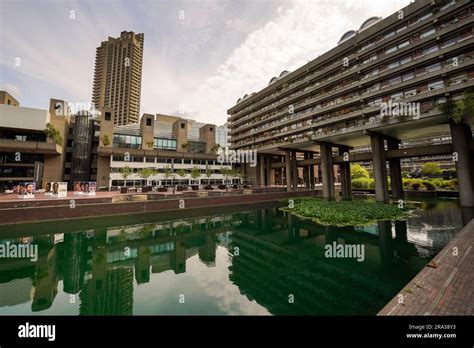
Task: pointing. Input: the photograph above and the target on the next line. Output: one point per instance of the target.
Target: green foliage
(208, 172)
(459, 109)
(415, 185)
(431, 169)
(181, 172)
(53, 134)
(363, 183)
(146, 172)
(195, 173)
(125, 172)
(345, 213)
(357, 171)
(429, 186)
(105, 140)
(168, 172)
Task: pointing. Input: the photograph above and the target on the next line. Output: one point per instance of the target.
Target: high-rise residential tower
(118, 75)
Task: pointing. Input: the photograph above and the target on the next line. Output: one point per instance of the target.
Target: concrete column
(268, 163)
(345, 170)
(462, 136)
(311, 176)
(261, 170)
(396, 183)
(294, 171)
(306, 172)
(327, 170)
(380, 168)
(288, 170)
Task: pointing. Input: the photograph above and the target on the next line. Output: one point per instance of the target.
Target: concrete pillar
(306, 172)
(380, 168)
(294, 171)
(396, 183)
(327, 171)
(311, 176)
(345, 170)
(261, 170)
(288, 170)
(462, 136)
(268, 163)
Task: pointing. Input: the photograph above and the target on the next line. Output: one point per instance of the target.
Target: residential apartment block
(118, 75)
(421, 55)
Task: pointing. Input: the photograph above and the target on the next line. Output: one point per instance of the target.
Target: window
(148, 121)
(108, 116)
(403, 44)
(433, 67)
(405, 60)
(393, 65)
(396, 96)
(408, 76)
(394, 80)
(410, 93)
(129, 141)
(391, 50)
(428, 33)
(182, 125)
(435, 85)
(431, 49)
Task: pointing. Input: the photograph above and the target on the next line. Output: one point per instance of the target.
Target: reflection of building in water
(112, 295)
(45, 283)
(75, 261)
(287, 258)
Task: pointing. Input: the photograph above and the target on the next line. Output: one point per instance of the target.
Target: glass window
(428, 33)
(390, 49)
(403, 44)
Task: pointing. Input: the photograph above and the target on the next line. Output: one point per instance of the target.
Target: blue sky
(198, 65)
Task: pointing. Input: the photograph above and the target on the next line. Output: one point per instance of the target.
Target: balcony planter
(208, 187)
(195, 187)
(202, 194)
(123, 190)
(181, 188)
(222, 187)
(162, 189)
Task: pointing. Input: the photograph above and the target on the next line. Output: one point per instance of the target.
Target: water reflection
(270, 256)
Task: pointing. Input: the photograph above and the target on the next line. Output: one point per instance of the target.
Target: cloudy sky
(200, 56)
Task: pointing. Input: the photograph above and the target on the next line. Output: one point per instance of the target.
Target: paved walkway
(445, 286)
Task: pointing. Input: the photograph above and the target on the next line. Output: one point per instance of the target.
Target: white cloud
(299, 32)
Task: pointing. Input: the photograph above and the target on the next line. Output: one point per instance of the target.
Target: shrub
(362, 183)
(415, 185)
(357, 171)
(407, 182)
(431, 169)
(436, 182)
(429, 186)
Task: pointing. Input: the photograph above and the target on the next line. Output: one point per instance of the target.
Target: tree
(184, 146)
(145, 173)
(53, 134)
(208, 174)
(195, 173)
(169, 173)
(105, 140)
(182, 173)
(125, 172)
(226, 172)
(357, 171)
(431, 169)
(215, 148)
(150, 144)
(459, 109)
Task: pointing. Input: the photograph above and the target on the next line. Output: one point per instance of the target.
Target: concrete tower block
(207, 134)
(180, 133)
(147, 128)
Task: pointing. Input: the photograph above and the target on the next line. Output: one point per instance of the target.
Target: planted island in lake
(345, 213)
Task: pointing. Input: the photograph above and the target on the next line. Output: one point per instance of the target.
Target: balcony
(7, 145)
